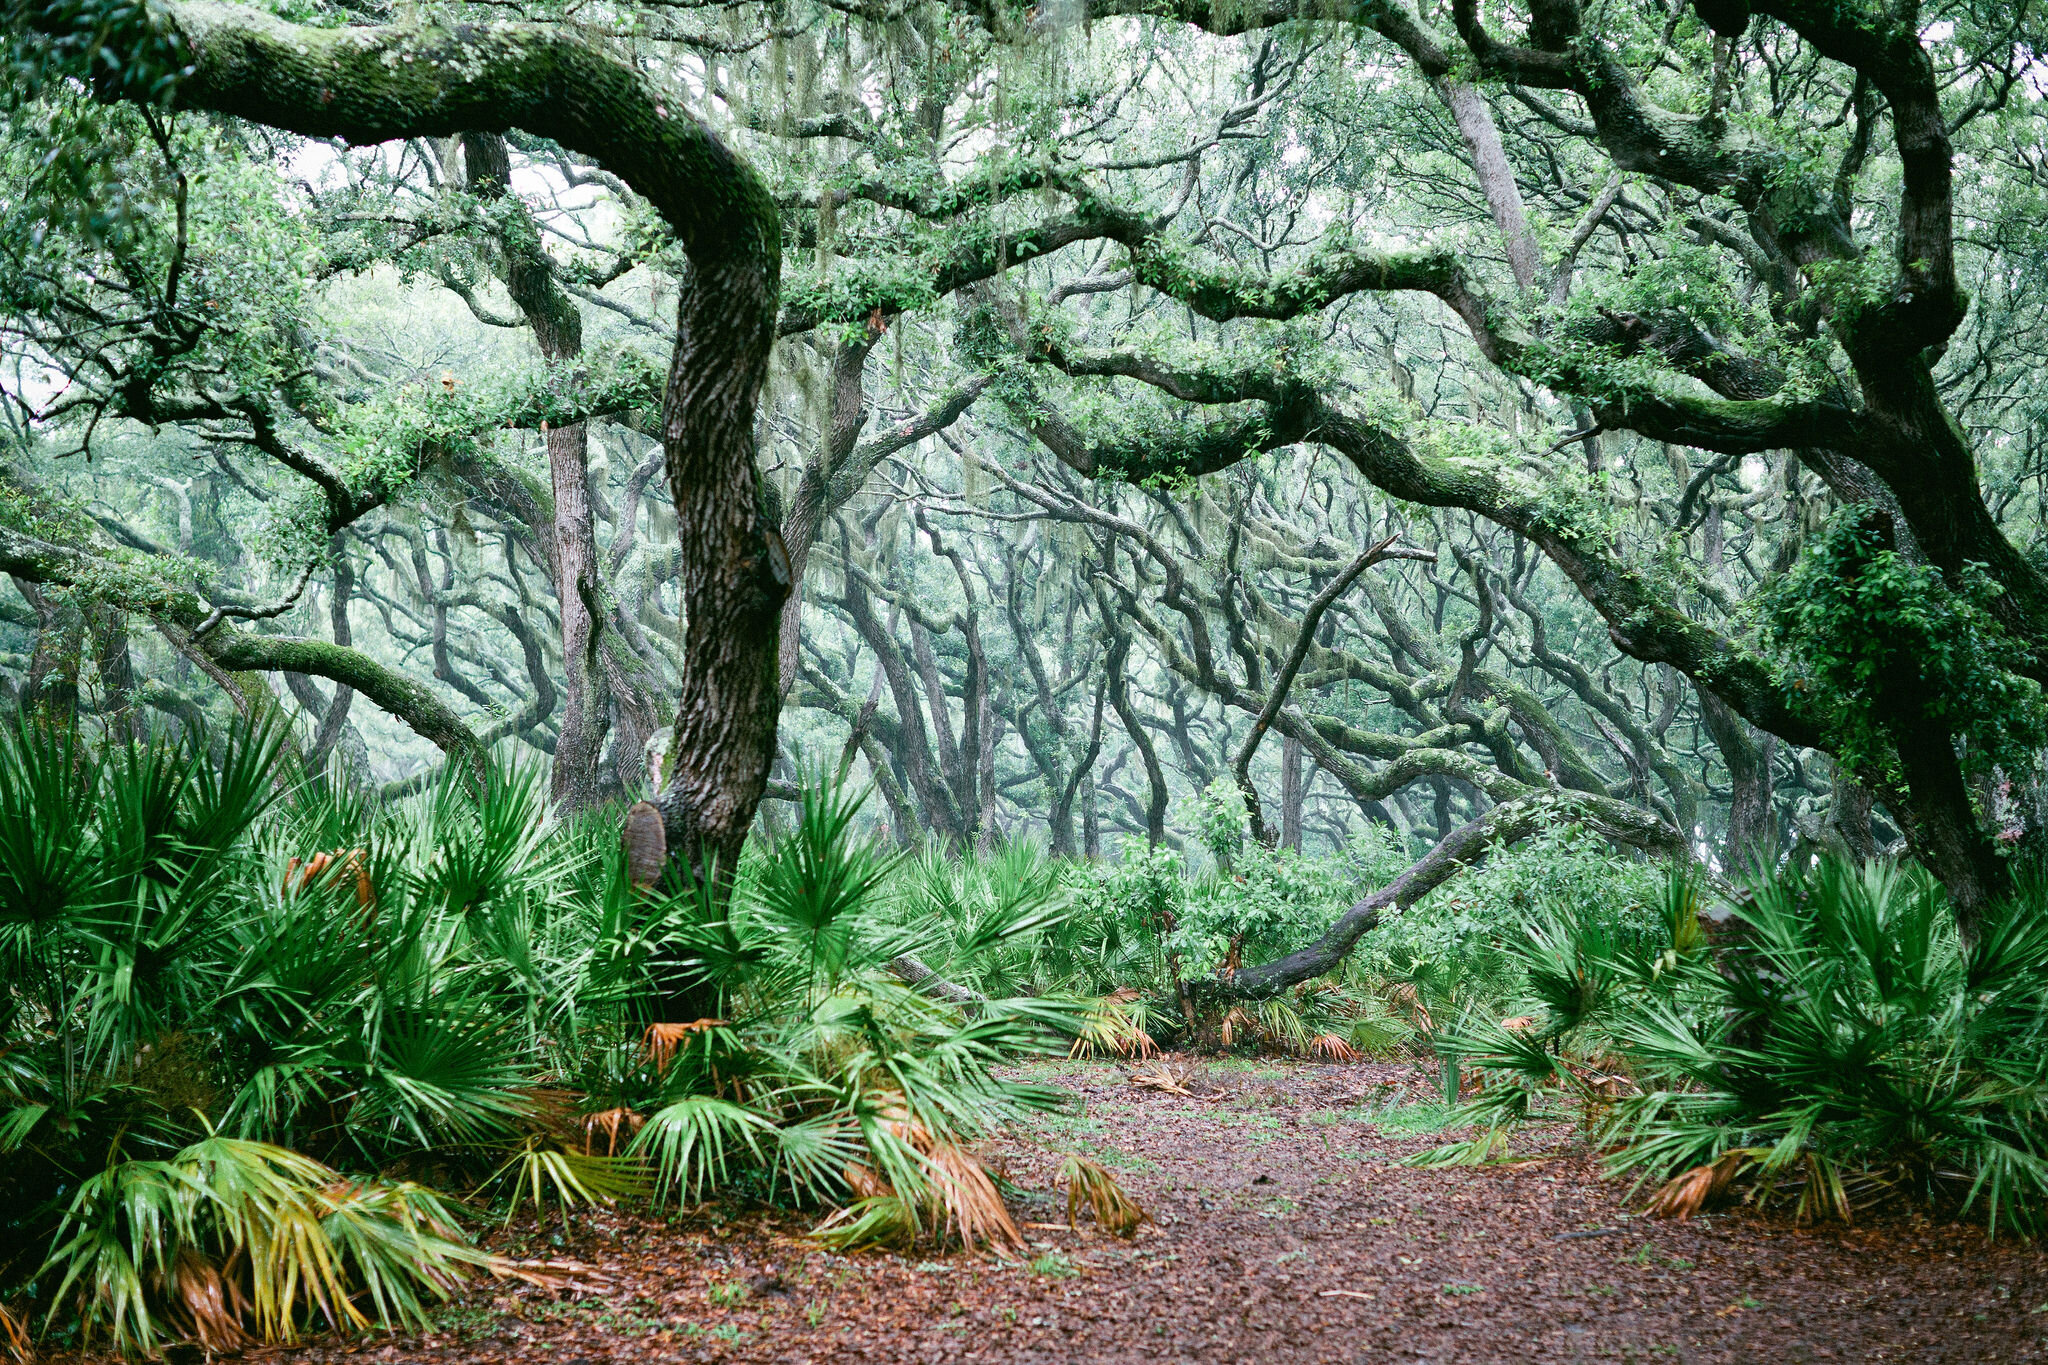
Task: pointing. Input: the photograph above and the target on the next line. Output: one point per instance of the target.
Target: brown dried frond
(968, 1199)
(1684, 1195)
(1089, 1184)
(959, 1196)
(865, 1182)
(14, 1340)
(1602, 1088)
(664, 1039)
(610, 1122)
(1164, 1077)
(1405, 999)
(557, 1276)
(1232, 1022)
(1330, 1046)
(197, 1289)
(1521, 1023)
(553, 1108)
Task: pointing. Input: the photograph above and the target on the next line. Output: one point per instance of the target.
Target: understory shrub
(1838, 1046)
(1458, 948)
(265, 1047)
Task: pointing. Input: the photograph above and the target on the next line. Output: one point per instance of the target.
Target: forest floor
(1286, 1231)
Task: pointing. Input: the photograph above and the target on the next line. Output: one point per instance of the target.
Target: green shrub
(1463, 946)
(233, 1012)
(1844, 1046)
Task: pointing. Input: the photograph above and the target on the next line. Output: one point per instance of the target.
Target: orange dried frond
(1091, 1186)
(1521, 1023)
(205, 1300)
(340, 860)
(663, 1039)
(14, 1339)
(358, 862)
(610, 1122)
(1684, 1195)
(1330, 1046)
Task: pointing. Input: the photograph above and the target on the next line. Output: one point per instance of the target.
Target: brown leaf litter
(1285, 1231)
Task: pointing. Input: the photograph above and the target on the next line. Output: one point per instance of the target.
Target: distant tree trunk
(51, 688)
(1120, 699)
(109, 628)
(1747, 752)
(1290, 793)
(335, 720)
(1080, 778)
(1441, 808)
(557, 325)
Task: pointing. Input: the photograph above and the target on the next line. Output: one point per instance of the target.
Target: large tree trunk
(735, 574)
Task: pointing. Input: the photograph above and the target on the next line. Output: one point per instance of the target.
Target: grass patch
(1412, 1118)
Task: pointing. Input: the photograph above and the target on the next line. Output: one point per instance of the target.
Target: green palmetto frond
(692, 1142)
(541, 1170)
(1848, 1043)
(305, 1242)
(815, 883)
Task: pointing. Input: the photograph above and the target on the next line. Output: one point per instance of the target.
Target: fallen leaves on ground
(1286, 1231)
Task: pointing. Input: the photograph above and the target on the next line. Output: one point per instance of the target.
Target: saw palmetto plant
(1841, 1045)
(237, 1011)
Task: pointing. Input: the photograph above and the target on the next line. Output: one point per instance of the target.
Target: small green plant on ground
(1054, 1265)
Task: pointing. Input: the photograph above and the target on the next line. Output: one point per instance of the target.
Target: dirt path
(1286, 1233)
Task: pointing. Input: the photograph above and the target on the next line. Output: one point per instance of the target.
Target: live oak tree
(375, 84)
(1106, 342)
